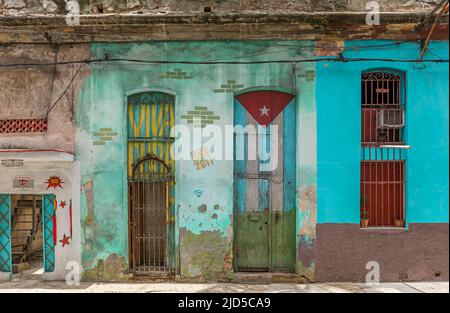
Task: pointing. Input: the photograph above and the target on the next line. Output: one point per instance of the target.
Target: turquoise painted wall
(427, 131)
(208, 240)
(328, 99)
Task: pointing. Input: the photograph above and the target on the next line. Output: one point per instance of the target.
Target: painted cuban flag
(264, 179)
(265, 153)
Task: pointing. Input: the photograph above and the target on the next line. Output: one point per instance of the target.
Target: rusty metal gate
(150, 182)
(150, 218)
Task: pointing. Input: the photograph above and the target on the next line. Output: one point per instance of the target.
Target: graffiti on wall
(202, 158)
(23, 182)
(54, 182)
(198, 192)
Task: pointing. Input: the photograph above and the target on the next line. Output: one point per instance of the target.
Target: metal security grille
(23, 126)
(382, 200)
(49, 231)
(149, 191)
(5, 233)
(382, 108)
(382, 193)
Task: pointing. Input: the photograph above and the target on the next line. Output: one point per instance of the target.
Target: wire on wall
(82, 63)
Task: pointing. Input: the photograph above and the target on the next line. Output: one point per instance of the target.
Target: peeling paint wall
(427, 132)
(203, 194)
(18, 7)
(27, 93)
(420, 251)
(67, 206)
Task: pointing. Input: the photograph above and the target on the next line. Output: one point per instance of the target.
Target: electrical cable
(85, 62)
(65, 90)
(325, 59)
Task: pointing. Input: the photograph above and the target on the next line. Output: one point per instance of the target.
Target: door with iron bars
(265, 181)
(150, 184)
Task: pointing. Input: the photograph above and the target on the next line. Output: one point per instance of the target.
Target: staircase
(26, 230)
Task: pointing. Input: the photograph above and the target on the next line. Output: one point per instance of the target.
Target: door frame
(48, 257)
(269, 176)
(126, 199)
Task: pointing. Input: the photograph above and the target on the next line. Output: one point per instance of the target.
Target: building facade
(300, 151)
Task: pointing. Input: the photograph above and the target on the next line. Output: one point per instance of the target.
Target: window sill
(387, 230)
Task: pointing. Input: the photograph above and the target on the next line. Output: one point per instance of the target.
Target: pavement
(30, 281)
(40, 286)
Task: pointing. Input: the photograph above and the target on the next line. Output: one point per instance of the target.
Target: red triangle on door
(264, 105)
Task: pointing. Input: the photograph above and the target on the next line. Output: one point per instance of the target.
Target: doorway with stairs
(26, 233)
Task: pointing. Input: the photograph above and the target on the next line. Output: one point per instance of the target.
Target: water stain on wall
(113, 268)
(204, 256)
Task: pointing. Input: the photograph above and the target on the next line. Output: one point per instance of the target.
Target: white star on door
(264, 111)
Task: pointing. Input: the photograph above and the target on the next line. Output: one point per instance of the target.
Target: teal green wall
(204, 243)
(328, 100)
(338, 132)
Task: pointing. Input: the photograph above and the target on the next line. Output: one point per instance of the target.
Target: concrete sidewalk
(25, 286)
(30, 281)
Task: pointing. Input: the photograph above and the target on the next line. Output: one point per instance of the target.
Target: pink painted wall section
(27, 93)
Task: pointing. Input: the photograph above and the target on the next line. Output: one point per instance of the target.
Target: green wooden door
(252, 225)
(265, 181)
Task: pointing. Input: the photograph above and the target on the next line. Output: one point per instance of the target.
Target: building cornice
(208, 26)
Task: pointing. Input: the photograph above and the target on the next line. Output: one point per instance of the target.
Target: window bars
(382, 108)
(382, 168)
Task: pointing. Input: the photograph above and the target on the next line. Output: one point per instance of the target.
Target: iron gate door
(150, 217)
(151, 193)
(265, 181)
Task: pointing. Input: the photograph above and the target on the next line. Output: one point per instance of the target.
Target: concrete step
(20, 267)
(267, 278)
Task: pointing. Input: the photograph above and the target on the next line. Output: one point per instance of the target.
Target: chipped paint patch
(203, 208)
(207, 255)
(308, 211)
(113, 268)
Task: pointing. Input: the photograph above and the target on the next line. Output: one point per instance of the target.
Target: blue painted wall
(427, 131)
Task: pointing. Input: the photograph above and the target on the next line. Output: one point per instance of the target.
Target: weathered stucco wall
(27, 93)
(417, 254)
(339, 102)
(14, 7)
(204, 225)
(420, 252)
(58, 176)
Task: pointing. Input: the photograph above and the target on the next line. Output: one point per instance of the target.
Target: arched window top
(151, 97)
(384, 71)
(382, 88)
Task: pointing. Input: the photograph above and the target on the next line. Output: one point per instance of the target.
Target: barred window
(382, 179)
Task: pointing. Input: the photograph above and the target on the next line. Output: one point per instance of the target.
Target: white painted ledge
(36, 155)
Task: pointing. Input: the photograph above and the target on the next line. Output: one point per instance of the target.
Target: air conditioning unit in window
(390, 118)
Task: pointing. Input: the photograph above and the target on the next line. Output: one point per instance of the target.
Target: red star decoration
(65, 240)
(62, 204)
(264, 105)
